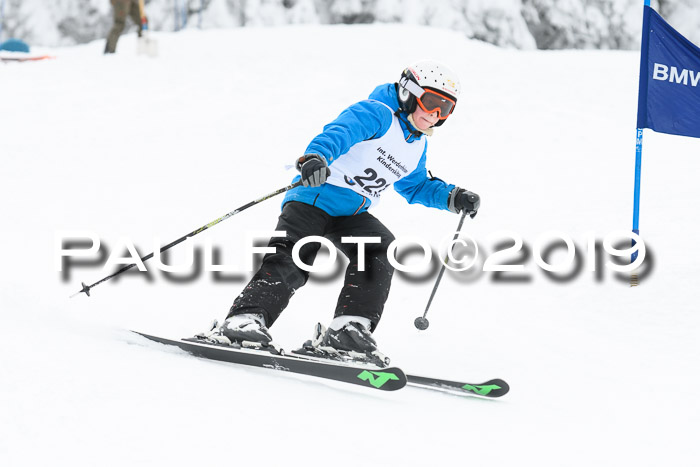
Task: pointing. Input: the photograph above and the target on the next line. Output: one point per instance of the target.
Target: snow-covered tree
(15, 20)
(524, 24)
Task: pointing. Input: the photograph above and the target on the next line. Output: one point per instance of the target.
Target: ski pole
(86, 288)
(421, 322)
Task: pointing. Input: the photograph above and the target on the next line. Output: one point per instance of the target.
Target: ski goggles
(430, 101)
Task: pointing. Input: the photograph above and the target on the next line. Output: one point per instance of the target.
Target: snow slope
(150, 149)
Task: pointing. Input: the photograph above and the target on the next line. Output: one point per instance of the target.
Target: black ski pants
(363, 294)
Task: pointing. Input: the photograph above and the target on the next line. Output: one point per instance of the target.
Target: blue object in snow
(15, 45)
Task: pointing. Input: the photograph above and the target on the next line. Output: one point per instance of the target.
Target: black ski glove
(462, 200)
(314, 170)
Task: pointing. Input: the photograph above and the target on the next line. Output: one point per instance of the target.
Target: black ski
(385, 379)
(492, 388)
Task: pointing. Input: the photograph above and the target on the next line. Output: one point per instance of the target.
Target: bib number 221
(369, 183)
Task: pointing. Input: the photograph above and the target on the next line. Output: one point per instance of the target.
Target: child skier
(372, 144)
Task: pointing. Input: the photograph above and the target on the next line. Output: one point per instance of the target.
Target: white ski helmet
(432, 84)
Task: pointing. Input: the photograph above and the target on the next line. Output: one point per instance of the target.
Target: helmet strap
(428, 132)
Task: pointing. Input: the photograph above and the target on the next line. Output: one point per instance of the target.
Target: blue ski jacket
(362, 121)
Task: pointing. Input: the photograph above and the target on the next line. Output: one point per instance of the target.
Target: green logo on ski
(481, 390)
(377, 378)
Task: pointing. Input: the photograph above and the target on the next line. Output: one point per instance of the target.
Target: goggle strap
(412, 87)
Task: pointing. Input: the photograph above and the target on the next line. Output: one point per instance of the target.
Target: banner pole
(634, 278)
(637, 186)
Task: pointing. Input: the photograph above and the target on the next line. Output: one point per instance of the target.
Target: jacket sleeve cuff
(451, 199)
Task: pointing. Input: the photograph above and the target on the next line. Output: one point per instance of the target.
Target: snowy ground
(148, 149)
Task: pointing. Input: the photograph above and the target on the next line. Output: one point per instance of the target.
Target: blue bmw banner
(669, 79)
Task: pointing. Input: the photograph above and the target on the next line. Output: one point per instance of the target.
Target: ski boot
(242, 331)
(351, 342)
